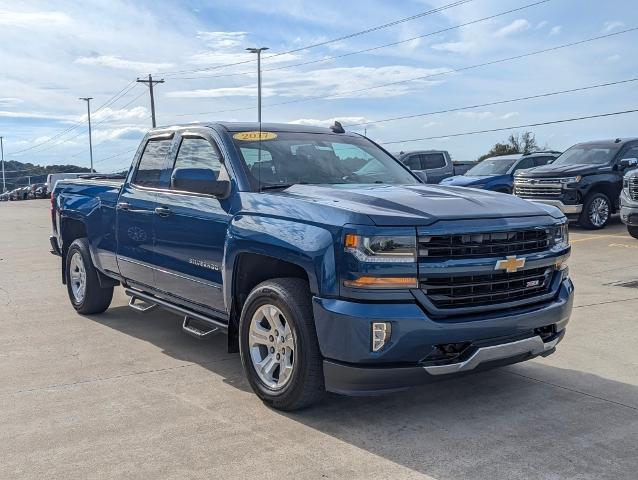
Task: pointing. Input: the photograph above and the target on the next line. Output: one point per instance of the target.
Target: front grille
(457, 291)
(483, 244)
(633, 187)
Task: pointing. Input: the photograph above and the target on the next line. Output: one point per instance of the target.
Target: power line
(489, 104)
(423, 77)
(378, 47)
(476, 132)
(333, 40)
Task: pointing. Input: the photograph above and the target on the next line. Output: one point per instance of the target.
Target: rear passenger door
(191, 230)
(136, 213)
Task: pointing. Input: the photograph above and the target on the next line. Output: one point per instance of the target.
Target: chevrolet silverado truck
(629, 202)
(329, 265)
(584, 182)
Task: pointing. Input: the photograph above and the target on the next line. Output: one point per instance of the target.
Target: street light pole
(88, 112)
(4, 186)
(258, 52)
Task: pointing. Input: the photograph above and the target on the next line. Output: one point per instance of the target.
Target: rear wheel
(596, 212)
(278, 344)
(83, 285)
(633, 231)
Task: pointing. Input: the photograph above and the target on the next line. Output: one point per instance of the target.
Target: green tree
(516, 143)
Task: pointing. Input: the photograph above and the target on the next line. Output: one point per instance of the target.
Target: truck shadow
(529, 420)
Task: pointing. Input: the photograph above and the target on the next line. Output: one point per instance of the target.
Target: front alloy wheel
(596, 211)
(272, 346)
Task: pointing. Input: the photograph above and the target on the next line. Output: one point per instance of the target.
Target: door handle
(124, 206)
(163, 211)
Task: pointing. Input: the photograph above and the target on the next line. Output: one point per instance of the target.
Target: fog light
(381, 332)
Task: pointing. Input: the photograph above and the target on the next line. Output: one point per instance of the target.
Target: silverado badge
(511, 264)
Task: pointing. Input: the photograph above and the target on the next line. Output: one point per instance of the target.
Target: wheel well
(71, 230)
(250, 270)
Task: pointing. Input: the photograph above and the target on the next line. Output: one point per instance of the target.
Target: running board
(212, 323)
(136, 306)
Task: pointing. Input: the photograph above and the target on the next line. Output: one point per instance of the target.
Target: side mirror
(629, 162)
(199, 180)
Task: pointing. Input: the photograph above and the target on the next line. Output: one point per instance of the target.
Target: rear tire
(83, 285)
(284, 368)
(596, 212)
(633, 231)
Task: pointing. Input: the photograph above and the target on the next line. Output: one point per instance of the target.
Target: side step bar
(213, 325)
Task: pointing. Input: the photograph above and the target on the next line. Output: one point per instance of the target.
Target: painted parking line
(623, 245)
(596, 237)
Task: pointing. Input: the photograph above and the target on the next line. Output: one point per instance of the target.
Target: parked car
(326, 273)
(629, 202)
(497, 173)
(584, 182)
(431, 166)
(16, 194)
(4, 197)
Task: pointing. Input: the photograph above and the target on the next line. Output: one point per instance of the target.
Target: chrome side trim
(532, 345)
(566, 209)
(216, 286)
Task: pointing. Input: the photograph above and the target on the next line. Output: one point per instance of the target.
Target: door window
(539, 161)
(196, 152)
(631, 153)
(524, 164)
(149, 170)
(432, 160)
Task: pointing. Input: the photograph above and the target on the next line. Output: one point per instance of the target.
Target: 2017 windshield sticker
(254, 136)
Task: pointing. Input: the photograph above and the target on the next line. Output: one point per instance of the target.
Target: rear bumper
(493, 338)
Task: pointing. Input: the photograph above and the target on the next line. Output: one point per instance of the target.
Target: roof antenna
(337, 127)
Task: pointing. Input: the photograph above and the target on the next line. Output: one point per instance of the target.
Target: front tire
(596, 212)
(633, 231)
(83, 285)
(278, 344)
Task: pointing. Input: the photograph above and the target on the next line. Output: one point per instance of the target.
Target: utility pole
(88, 112)
(151, 82)
(4, 185)
(258, 52)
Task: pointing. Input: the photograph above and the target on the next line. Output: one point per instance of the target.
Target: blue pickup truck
(330, 266)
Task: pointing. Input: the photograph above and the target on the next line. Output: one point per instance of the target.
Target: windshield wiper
(278, 186)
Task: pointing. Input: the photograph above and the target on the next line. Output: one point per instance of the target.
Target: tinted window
(631, 153)
(523, 164)
(199, 153)
(538, 161)
(150, 167)
(491, 166)
(587, 154)
(413, 162)
(432, 160)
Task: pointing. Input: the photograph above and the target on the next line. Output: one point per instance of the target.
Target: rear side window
(151, 164)
(539, 161)
(524, 164)
(432, 160)
(413, 162)
(196, 152)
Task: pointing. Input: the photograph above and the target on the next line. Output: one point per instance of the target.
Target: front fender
(308, 246)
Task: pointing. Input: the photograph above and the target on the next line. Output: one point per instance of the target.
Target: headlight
(560, 236)
(382, 249)
(568, 180)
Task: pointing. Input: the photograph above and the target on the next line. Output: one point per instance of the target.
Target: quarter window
(151, 164)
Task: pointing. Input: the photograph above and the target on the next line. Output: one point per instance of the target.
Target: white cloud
(455, 47)
(113, 61)
(476, 115)
(509, 115)
(330, 121)
(246, 91)
(612, 25)
(516, 26)
(127, 132)
(541, 24)
(555, 30)
(34, 19)
(37, 115)
(429, 124)
(113, 115)
(10, 101)
(223, 39)
(614, 58)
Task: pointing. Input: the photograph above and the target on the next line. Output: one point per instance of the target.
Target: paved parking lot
(124, 395)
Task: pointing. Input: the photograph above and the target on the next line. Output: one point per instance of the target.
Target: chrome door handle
(124, 206)
(163, 211)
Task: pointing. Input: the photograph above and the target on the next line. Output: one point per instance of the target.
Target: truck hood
(467, 181)
(399, 205)
(563, 170)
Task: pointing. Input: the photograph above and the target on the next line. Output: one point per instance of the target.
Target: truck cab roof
(253, 126)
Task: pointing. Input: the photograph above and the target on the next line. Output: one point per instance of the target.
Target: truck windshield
(491, 166)
(286, 158)
(587, 155)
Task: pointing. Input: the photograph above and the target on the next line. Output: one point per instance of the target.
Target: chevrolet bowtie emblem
(511, 264)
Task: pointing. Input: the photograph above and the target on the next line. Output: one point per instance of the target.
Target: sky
(52, 53)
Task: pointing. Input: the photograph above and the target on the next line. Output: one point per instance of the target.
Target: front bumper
(563, 207)
(494, 339)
